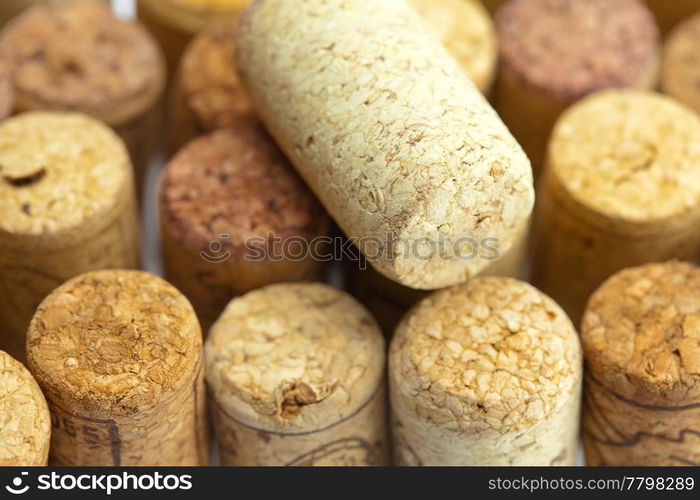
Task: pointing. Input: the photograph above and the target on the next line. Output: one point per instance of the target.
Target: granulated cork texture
(680, 71)
(25, 425)
(357, 115)
(485, 373)
(296, 374)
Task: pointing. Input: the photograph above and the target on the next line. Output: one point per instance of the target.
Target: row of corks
(487, 372)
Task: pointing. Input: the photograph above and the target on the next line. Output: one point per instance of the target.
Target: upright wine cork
(79, 56)
(118, 355)
(680, 69)
(553, 52)
(236, 216)
(6, 92)
(347, 88)
(641, 341)
(670, 13)
(25, 424)
(485, 373)
(296, 375)
(67, 206)
(622, 188)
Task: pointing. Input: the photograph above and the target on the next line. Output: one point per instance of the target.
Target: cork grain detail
(680, 71)
(25, 425)
(359, 118)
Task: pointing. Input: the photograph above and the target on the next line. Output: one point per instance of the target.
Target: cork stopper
(114, 344)
(250, 188)
(5, 92)
(570, 48)
(79, 56)
(294, 358)
(641, 334)
(25, 425)
(492, 355)
(680, 70)
(192, 15)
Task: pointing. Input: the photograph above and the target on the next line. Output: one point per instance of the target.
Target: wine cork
(553, 52)
(10, 8)
(296, 375)
(485, 373)
(680, 69)
(5, 93)
(257, 225)
(641, 341)
(407, 174)
(118, 355)
(467, 32)
(25, 424)
(67, 206)
(669, 14)
(622, 188)
(78, 56)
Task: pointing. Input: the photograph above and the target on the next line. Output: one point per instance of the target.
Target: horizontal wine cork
(485, 373)
(6, 92)
(256, 227)
(25, 424)
(669, 14)
(553, 52)
(67, 206)
(118, 355)
(641, 341)
(680, 69)
(78, 56)
(622, 188)
(296, 376)
(357, 116)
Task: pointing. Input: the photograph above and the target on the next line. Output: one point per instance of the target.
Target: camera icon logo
(16, 487)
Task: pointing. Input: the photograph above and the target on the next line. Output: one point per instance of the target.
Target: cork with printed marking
(670, 14)
(680, 69)
(553, 52)
(118, 355)
(641, 342)
(622, 188)
(296, 377)
(25, 424)
(78, 56)
(485, 373)
(67, 206)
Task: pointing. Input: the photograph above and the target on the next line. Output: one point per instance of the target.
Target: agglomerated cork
(669, 14)
(641, 341)
(6, 93)
(485, 373)
(25, 424)
(118, 355)
(296, 376)
(357, 116)
(67, 206)
(680, 69)
(553, 52)
(622, 188)
(78, 56)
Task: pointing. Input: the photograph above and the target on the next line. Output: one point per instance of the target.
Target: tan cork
(296, 377)
(10, 8)
(25, 424)
(641, 341)
(488, 372)
(492, 5)
(118, 355)
(680, 68)
(67, 206)
(231, 206)
(357, 116)
(670, 13)
(553, 52)
(6, 92)
(622, 188)
(78, 56)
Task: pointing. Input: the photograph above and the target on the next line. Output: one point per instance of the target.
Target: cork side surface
(680, 70)
(6, 92)
(190, 16)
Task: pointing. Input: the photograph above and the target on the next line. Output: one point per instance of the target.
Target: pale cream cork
(78, 56)
(25, 424)
(622, 188)
(485, 373)
(118, 355)
(641, 341)
(67, 206)
(357, 115)
(296, 377)
(670, 13)
(680, 69)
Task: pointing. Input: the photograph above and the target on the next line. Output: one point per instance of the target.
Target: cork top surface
(294, 357)
(25, 425)
(680, 71)
(114, 343)
(79, 56)
(492, 355)
(209, 78)
(573, 47)
(466, 30)
(629, 154)
(58, 171)
(249, 188)
(641, 334)
(5, 92)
